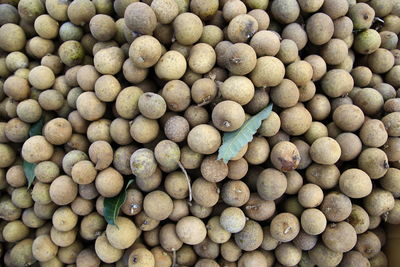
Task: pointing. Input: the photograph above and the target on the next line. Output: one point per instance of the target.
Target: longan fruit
(34, 150)
(348, 117)
(158, 205)
(144, 130)
(16, 87)
(359, 219)
(191, 230)
(354, 258)
(294, 182)
(310, 195)
(123, 234)
(57, 131)
(228, 116)
(286, 94)
(319, 156)
(235, 193)
(167, 154)
(250, 237)
(374, 162)
(285, 156)
(259, 209)
(241, 28)
(378, 202)
(340, 237)
(205, 193)
(63, 190)
(87, 257)
(102, 27)
(292, 205)
(105, 251)
(15, 231)
(204, 91)
(285, 12)
(63, 238)
(288, 51)
(295, 32)
(318, 65)
(270, 126)
(269, 71)
(16, 130)
(71, 53)
(213, 170)
(319, 28)
(343, 27)
(141, 18)
(237, 88)
(368, 244)
(13, 37)
(334, 52)
(211, 35)
(207, 249)
(295, 120)
(373, 133)
(362, 15)
(336, 206)
(188, 28)
(21, 198)
(305, 241)
(105, 179)
(202, 58)
(127, 102)
(64, 219)
(10, 14)
(257, 151)
(239, 58)
(176, 128)
(325, 176)
(271, 184)
(21, 254)
(16, 60)
(109, 60)
(322, 255)
(190, 159)
(265, 43)
(284, 227)
(204, 139)
(288, 254)
(355, 183)
(92, 226)
(332, 88)
(145, 51)
(177, 95)
(367, 42)
(374, 98)
(380, 61)
(313, 221)
(101, 154)
(29, 110)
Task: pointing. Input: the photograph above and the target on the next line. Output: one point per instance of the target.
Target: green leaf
(36, 129)
(29, 170)
(113, 205)
(234, 141)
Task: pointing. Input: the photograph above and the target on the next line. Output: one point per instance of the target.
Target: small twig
(173, 258)
(187, 179)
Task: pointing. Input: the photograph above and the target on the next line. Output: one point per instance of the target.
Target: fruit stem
(173, 258)
(187, 179)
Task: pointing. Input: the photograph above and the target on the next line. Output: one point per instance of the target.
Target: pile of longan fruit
(94, 94)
